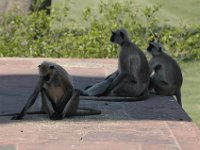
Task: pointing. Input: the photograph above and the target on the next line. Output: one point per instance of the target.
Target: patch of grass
(191, 90)
(174, 12)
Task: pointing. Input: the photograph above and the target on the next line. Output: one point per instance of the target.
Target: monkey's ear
(39, 66)
(51, 67)
(122, 35)
(151, 45)
(112, 32)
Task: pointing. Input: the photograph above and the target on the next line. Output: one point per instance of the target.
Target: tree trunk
(24, 5)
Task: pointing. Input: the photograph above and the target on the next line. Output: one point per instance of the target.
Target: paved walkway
(155, 124)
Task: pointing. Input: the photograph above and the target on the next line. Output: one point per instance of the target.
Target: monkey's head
(155, 48)
(119, 36)
(47, 71)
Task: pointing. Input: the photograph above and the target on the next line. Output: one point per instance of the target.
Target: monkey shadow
(16, 89)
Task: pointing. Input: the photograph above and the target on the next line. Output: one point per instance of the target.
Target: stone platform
(158, 123)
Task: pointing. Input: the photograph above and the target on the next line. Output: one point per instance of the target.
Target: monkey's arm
(30, 101)
(152, 65)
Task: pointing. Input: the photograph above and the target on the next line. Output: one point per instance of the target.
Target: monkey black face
(112, 38)
(150, 47)
(51, 67)
(46, 77)
(117, 37)
(154, 48)
(45, 71)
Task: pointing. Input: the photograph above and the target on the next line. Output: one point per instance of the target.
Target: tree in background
(25, 5)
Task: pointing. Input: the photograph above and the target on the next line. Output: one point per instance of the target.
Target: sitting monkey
(132, 78)
(167, 77)
(59, 98)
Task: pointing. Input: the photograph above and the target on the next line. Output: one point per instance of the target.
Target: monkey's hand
(56, 116)
(17, 117)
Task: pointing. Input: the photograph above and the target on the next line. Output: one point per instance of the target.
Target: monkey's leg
(128, 89)
(101, 87)
(161, 87)
(116, 81)
(113, 75)
(112, 94)
(126, 86)
(97, 89)
(55, 112)
(72, 105)
(121, 94)
(46, 103)
(178, 97)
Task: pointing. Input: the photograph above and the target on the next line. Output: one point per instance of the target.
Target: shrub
(35, 35)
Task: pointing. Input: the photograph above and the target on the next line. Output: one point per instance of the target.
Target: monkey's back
(143, 66)
(171, 69)
(137, 62)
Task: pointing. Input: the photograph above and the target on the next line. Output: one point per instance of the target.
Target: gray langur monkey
(59, 98)
(130, 82)
(166, 76)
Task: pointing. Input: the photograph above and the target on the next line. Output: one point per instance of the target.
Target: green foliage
(35, 34)
(190, 89)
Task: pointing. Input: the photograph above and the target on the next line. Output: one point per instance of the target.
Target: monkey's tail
(30, 113)
(115, 99)
(178, 97)
(87, 111)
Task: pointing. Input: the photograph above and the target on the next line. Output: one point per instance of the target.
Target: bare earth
(155, 124)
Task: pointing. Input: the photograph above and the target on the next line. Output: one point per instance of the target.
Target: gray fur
(167, 78)
(59, 98)
(131, 80)
(133, 65)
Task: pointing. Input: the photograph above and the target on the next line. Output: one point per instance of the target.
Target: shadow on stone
(15, 90)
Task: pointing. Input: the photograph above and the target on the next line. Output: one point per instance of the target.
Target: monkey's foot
(56, 116)
(17, 117)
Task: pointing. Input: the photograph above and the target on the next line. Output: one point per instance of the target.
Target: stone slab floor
(155, 124)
